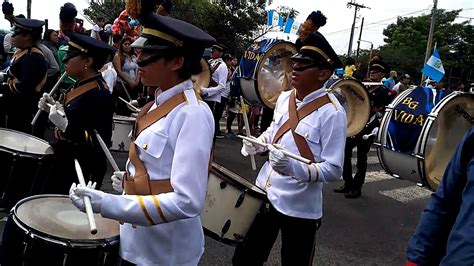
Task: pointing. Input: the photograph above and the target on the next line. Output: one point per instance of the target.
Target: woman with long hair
(128, 81)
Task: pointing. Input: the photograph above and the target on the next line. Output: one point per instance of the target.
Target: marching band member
(166, 180)
(23, 81)
(88, 107)
(379, 97)
(213, 94)
(312, 123)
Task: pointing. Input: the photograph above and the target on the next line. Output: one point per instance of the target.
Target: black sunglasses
(149, 60)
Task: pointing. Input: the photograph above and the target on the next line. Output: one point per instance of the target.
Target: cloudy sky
(337, 29)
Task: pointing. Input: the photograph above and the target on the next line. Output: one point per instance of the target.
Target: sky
(337, 29)
(381, 13)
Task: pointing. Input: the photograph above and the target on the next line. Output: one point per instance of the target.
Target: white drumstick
(247, 131)
(106, 151)
(53, 90)
(287, 153)
(135, 109)
(373, 133)
(87, 200)
(126, 91)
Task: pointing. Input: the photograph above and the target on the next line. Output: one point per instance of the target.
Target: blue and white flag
(274, 19)
(434, 67)
(291, 26)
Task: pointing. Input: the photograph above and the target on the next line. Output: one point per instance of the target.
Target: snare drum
(265, 71)
(25, 162)
(49, 230)
(121, 130)
(232, 203)
(420, 131)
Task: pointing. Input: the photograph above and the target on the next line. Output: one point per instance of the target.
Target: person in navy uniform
(88, 107)
(165, 182)
(26, 75)
(316, 131)
(444, 235)
(379, 97)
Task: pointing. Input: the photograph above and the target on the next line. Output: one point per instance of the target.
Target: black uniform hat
(218, 47)
(378, 65)
(164, 33)
(24, 25)
(316, 48)
(81, 44)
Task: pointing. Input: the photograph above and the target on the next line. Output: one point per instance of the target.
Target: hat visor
(71, 54)
(142, 43)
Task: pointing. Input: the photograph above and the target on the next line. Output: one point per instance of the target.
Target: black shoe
(353, 193)
(342, 189)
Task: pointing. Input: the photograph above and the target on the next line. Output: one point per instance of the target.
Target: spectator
(97, 28)
(116, 39)
(402, 85)
(109, 74)
(392, 80)
(350, 67)
(50, 39)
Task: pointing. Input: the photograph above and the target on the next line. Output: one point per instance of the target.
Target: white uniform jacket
(176, 147)
(220, 76)
(325, 132)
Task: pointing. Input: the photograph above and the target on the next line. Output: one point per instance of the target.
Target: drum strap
(76, 92)
(295, 117)
(141, 183)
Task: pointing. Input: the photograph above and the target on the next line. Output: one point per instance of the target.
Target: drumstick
(287, 153)
(53, 90)
(126, 91)
(107, 152)
(87, 200)
(135, 109)
(247, 131)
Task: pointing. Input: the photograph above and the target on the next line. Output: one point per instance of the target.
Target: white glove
(58, 119)
(279, 161)
(117, 179)
(248, 148)
(44, 101)
(76, 194)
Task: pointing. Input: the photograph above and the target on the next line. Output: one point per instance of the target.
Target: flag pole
(430, 37)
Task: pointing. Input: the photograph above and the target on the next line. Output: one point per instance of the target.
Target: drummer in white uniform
(309, 122)
(166, 180)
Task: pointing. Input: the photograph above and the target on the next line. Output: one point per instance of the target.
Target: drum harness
(215, 63)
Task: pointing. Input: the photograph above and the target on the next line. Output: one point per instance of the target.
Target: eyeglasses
(149, 60)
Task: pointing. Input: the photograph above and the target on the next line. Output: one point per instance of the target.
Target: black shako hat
(317, 49)
(378, 65)
(81, 44)
(161, 33)
(24, 25)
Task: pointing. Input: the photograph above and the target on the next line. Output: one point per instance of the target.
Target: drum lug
(419, 157)
(225, 228)
(238, 237)
(241, 198)
(378, 144)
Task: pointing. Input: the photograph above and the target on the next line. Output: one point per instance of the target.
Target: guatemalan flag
(434, 67)
(291, 26)
(274, 19)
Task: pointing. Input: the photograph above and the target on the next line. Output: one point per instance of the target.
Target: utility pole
(360, 37)
(357, 8)
(430, 36)
(28, 8)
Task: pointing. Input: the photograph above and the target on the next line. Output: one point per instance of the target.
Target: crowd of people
(162, 191)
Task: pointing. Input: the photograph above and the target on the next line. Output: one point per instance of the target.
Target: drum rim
(258, 67)
(221, 172)
(420, 148)
(28, 154)
(42, 235)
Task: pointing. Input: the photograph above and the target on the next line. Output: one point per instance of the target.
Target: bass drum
(265, 71)
(420, 131)
(202, 79)
(353, 96)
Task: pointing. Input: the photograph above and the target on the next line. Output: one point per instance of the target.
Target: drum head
(24, 143)
(355, 100)
(237, 181)
(455, 117)
(274, 73)
(55, 216)
(204, 78)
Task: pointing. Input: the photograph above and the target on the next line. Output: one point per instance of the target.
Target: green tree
(109, 10)
(406, 41)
